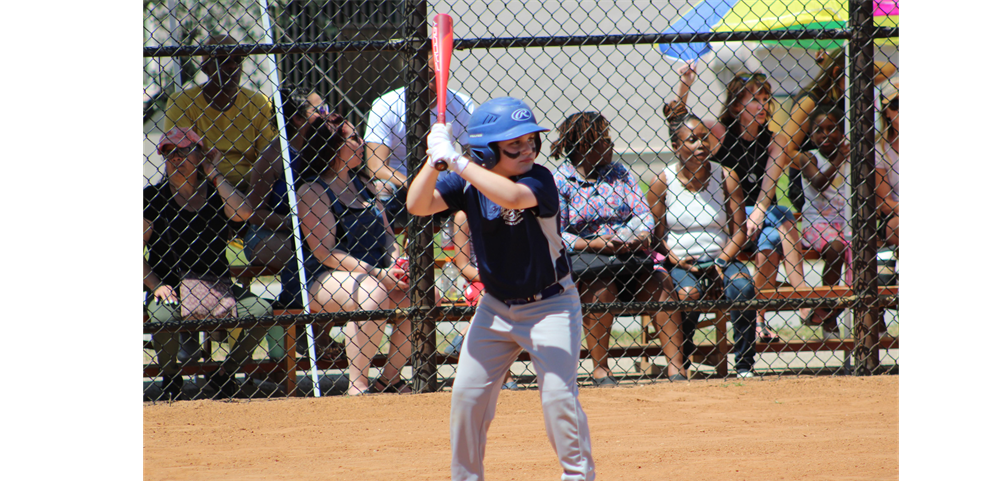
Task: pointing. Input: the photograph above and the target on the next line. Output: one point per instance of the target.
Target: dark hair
(677, 115)
(828, 111)
(736, 89)
(321, 145)
(578, 134)
(295, 102)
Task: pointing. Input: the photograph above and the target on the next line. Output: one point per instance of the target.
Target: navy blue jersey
(519, 251)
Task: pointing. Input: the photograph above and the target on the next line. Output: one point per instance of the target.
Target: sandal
(381, 387)
(326, 353)
(330, 353)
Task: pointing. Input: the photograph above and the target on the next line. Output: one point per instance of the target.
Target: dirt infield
(806, 428)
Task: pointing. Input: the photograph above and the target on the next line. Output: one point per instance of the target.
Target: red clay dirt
(839, 428)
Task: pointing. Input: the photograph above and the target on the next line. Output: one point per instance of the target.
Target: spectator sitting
(386, 148)
(696, 204)
(352, 251)
(603, 211)
(828, 90)
(886, 165)
(231, 119)
(825, 215)
(186, 225)
(466, 262)
(747, 148)
(268, 241)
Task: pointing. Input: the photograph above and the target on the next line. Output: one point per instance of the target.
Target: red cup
(402, 263)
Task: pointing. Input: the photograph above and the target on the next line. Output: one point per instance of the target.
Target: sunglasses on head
(747, 76)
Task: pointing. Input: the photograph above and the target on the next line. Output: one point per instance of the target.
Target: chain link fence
(280, 137)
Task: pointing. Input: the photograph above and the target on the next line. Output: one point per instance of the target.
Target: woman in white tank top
(700, 224)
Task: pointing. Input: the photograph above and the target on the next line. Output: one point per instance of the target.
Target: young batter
(530, 300)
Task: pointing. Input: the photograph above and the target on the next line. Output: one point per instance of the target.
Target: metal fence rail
(299, 129)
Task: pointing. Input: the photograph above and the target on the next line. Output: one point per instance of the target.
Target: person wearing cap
(186, 219)
(235, 121)
(530, 301)
(886, 164)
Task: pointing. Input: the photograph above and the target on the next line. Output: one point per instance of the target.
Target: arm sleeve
(642, 218)
(452, 189)
(563, 194)
(540, 181)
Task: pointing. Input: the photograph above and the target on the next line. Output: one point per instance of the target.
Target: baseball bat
(442, 52)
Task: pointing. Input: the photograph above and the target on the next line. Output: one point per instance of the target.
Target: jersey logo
(521, 114)
(511, 216)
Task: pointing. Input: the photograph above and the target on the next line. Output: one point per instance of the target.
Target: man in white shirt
(385, 141)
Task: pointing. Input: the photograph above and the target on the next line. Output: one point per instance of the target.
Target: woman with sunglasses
(886, 165)
(351, 251)
(268, 241)
(603, 211)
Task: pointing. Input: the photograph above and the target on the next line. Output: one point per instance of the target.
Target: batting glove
(442, 148)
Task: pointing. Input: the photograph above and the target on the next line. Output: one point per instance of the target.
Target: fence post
(863, 204)
(420, 248)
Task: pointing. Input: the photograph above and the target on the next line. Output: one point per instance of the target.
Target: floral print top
(606, 205)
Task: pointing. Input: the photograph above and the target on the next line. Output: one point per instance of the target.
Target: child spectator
(825, 215)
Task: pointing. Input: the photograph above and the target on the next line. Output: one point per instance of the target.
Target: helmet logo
(521, 114)
(489, 119)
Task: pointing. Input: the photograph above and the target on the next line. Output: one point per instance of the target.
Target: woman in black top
(186, 232)
(352, 251)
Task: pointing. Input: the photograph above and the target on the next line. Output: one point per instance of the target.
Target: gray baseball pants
(551, 331)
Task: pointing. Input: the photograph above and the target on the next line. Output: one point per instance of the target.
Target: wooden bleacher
(714, 353)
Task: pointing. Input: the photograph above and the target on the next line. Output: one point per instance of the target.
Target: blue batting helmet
(499, 119)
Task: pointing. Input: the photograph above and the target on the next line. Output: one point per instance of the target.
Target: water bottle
(447, 230)
(454, 289)
(443, 282)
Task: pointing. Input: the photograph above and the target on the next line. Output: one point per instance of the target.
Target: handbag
(589, 265)
(203, 296)
(206, 297)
